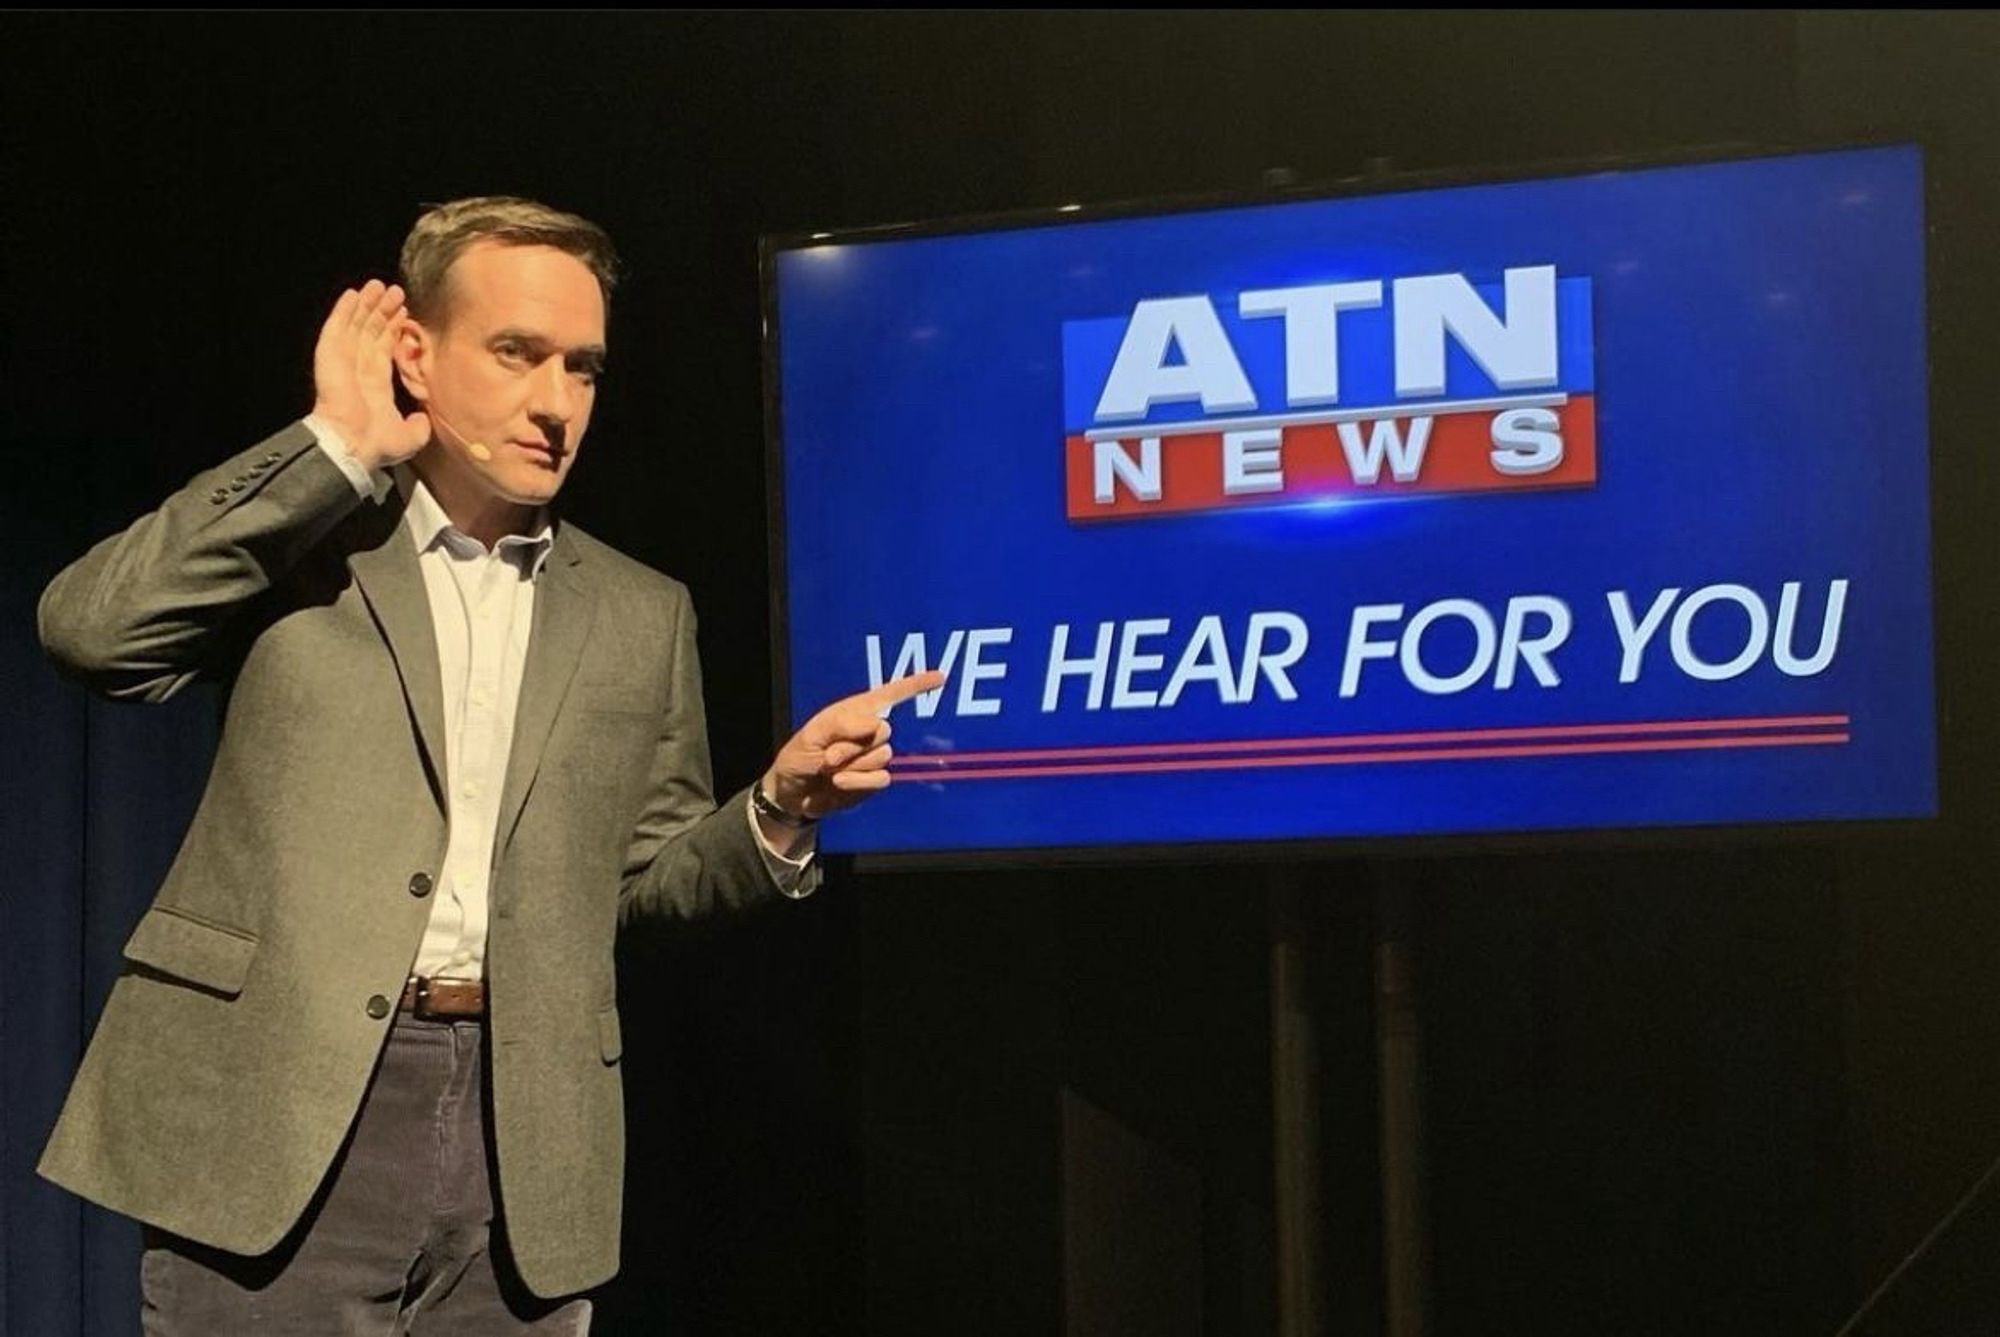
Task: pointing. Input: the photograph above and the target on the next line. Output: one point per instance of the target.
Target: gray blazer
(238, 1041)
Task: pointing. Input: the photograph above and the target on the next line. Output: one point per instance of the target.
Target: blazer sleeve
(148, 610)
(689, 859)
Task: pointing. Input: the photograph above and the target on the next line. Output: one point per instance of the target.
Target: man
(360, 1073)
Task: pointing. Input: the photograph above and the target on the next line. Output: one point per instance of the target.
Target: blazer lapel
(564, 605)
(385, 567)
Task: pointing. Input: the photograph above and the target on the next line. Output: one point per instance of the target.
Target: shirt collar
(429, 526)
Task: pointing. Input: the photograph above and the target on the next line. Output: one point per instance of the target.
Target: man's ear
(412, 357)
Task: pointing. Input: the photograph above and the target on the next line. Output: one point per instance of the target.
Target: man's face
(510, 365)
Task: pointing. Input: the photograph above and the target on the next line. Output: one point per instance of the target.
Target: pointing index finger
(902, 689)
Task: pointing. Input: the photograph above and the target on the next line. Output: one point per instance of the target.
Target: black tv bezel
(1822, 831)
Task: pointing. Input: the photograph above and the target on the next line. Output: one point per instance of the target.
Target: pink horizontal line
(1357, 758)
(1375, 740)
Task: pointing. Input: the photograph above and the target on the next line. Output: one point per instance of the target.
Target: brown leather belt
(432, 1000)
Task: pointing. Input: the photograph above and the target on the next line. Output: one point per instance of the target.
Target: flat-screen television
(1593, 500)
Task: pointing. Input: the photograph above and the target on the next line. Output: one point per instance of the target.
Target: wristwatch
(768, 807)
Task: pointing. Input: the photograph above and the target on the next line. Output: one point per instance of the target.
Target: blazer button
(378, 1007)
(420, 885)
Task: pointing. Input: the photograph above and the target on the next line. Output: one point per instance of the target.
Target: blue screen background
(1758, 362)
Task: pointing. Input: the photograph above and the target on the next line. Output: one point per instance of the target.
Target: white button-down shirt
(482, 607)
(482, 604)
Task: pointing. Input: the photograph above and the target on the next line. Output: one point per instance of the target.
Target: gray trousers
(401, 1238)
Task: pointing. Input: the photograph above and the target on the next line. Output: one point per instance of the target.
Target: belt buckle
(420, 1007)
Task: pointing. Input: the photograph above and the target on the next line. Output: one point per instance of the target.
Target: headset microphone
(477, 449)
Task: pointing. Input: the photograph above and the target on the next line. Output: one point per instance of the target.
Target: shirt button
(479, 697)
(470, 788)
(378, 1007)
(460, 957)
(420, 885)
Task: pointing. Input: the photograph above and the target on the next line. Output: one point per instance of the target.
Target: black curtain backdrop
(1710, 1088)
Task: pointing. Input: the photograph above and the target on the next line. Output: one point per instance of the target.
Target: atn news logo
(1365, 388)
